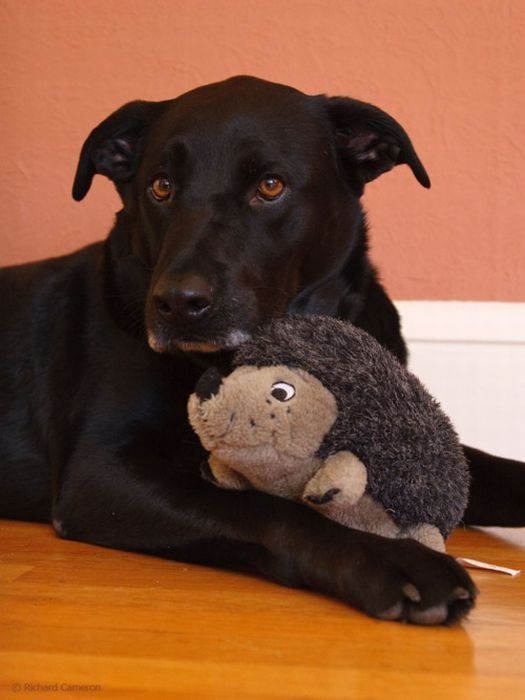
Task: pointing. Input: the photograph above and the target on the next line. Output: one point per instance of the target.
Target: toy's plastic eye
(283, 391)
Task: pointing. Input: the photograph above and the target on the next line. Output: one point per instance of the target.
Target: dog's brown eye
(270, 187)
(161, 188)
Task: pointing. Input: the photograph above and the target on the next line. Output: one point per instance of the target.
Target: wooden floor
(134, 626)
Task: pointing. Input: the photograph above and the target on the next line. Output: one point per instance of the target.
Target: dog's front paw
(411, 583)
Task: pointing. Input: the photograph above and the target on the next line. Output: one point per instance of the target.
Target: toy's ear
(370, 142)
(113, 148)
(209, 384)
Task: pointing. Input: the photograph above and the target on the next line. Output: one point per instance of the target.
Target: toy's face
(287, 409)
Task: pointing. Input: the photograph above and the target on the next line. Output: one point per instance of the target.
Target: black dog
(240, 202)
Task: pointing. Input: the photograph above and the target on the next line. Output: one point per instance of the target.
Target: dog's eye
(270, 187)
(161, 188)
(282, 391)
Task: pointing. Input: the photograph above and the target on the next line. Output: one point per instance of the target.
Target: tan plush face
(288, 409)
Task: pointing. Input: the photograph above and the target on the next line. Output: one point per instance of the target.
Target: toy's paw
(427, 534)
(207, 473)
(321, 499)
(342, 475)
(411, 583)
(222, 475)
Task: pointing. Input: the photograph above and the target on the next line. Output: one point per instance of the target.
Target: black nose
(182, 298)
(209, 384)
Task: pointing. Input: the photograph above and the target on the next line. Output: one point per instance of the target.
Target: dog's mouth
(230, 341)
(218, 440)
(189, 346)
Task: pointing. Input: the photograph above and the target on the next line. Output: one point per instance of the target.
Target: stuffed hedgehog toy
(316, 410)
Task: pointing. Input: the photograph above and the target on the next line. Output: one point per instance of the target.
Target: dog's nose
(209, 384)
(184, 298)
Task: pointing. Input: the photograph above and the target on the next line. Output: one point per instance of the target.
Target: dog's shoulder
(37, 299)
(31, 278)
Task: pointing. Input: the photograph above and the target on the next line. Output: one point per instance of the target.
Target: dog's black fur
(93, 426)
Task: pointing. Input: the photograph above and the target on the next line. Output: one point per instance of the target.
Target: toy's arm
(342, 474)
(225, 477)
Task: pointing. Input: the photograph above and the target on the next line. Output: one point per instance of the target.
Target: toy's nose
(209, 384)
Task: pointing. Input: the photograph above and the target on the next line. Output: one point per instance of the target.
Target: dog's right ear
(370, 142)
(113, 147)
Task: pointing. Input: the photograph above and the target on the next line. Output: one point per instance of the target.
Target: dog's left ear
(370, 141)
(113, 147)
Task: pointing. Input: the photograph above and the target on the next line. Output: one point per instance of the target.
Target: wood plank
(138, 626)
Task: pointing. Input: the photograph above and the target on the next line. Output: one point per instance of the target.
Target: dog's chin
(230, 341)
(198, 347)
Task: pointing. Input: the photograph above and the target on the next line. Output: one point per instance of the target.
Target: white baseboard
(471, 356)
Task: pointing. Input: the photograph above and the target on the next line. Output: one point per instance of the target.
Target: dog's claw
(435, 615)
(393, 613)
(411, 592)
(460, 593)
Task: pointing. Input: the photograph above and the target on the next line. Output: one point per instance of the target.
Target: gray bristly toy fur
(415, 464)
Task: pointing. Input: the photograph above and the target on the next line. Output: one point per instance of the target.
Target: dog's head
(239, 198)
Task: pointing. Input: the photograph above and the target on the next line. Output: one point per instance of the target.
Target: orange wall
(452, 71)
